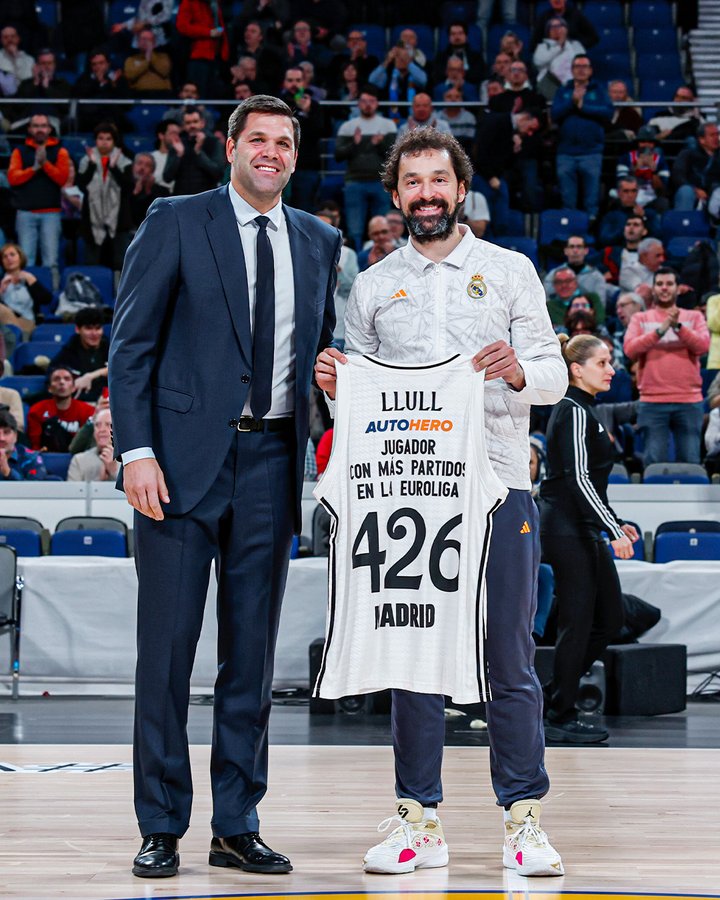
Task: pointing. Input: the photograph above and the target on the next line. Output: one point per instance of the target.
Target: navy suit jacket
(181, 349)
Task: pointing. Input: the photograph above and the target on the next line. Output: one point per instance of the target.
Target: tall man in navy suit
(224, 301)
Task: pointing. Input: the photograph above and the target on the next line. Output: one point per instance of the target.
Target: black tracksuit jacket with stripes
(573, 496)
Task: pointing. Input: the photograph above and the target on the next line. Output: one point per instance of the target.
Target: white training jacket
(408, 309)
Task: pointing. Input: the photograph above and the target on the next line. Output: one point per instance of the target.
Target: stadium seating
(657, 12)
(47, 11)
(57, 332)
(25, 354)
(121, 11)
(604, 13)
(659, 38)
(43, 275)
(559, 224)
(675, 473)
(88, 543)
(144, 118)
(673, 545)
(26, 543)
(684, 223)
(458, 12)
(619, 475)
(94, 524)
(608, 66)
(649, 63)
(613, 39)
(57, 464)
(525, 245)
(25, 385)
(101, 277)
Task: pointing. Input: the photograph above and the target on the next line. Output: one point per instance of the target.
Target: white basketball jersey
(410, 492)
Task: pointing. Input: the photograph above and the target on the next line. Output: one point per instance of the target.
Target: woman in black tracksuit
(573, 512)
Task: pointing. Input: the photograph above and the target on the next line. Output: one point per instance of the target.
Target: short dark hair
(8, 420)
(71, 372)
(261, 103)
(107, 128)
(98, 51)
(666, 270)
(89, 315)
(370, 89)
(636, 216)
(458, 24)
(413, 143)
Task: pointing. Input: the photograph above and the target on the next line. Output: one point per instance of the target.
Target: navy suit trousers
(514, 716)
(245, 524)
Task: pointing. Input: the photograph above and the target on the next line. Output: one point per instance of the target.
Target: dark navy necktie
(264, 330)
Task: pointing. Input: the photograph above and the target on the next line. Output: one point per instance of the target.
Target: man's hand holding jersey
(497, 359)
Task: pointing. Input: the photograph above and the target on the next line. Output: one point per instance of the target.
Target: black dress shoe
(248, 852)
(158, 856)
(576, 731)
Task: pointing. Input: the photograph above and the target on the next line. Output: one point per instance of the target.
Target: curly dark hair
(415, 142)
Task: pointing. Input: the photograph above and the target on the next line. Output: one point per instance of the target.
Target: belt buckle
(245, 423)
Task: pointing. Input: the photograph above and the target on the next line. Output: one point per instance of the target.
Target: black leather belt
(247, 423)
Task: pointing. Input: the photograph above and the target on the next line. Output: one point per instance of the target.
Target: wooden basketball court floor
(640, 822)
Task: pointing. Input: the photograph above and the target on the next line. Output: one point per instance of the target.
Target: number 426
(374, 557)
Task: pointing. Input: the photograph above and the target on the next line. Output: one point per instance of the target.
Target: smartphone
(300, 94)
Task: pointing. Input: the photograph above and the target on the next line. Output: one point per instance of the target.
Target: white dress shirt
(283, 389)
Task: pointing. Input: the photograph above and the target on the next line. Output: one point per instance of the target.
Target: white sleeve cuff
(138, 453)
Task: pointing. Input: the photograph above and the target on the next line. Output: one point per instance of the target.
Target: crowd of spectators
(541, 128)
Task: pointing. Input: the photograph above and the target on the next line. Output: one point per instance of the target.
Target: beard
(426, 229)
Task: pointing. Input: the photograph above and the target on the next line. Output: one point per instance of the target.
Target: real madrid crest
(477, 288)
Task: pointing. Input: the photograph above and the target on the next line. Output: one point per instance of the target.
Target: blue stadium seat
(660, 39)
(710, 526)
(145, 117)
(88, 542)
(458, 12)
(619, 475)
(681, 223)
(559, 224)
(672, 545)
(376, 38)
(609, 66)
(43, 275)
(331, 188)
(47, 12)
(678, 247)
(474, 37)
(496, 32)
(121, 11)
(425, 36)
(650, 65)
(613, 39)
(515, 223)
(101, 277)
(25, 385)
(525, 245)
(660, 90)
(69, 75)
(57, 464)
(650, 12)
(675, 473)
(604, 13)
(26, 543)
(25, 354)
(139, 143)
(58, 332)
